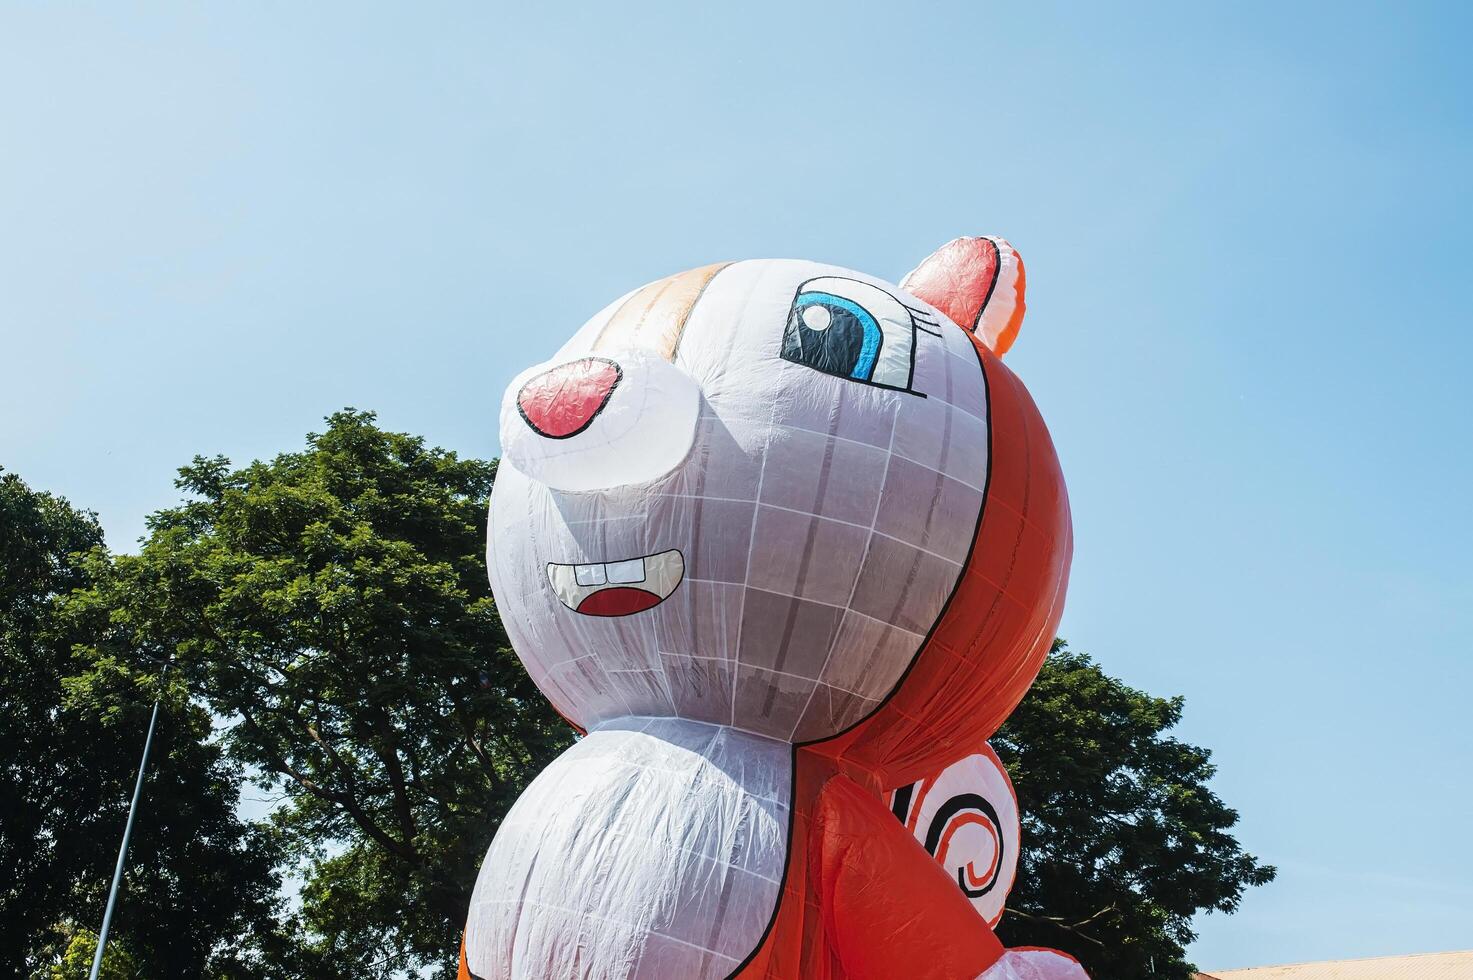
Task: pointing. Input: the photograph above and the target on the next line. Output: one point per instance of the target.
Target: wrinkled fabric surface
(1035, 964)
(653, 848)
(781, 538)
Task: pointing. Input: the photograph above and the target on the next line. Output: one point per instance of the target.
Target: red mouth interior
(620, 600)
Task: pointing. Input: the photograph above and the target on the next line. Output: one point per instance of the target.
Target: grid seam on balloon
(628, 708)
(710, 400)
(793, 597)
(647, 625)
(649, 720)
(747, 574)
(965, 356)
(643, 630)
(613, 758)
(872, 533)
(735, 662)
(765, 670)
(687, 656)
(615, 750)
(593, 656)
(862, 444)
(544, 677)
(755, 499)
(583, 914)
(816, 602)
(940, 470)
(854, 588)
(606, 832)
(669, 695)
(891, 450)
(837, 520)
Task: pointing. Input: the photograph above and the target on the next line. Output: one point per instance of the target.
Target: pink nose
(564, 401)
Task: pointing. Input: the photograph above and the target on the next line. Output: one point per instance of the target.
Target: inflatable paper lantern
(778, 537)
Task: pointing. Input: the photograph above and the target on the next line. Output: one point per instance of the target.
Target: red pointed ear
(978, 282)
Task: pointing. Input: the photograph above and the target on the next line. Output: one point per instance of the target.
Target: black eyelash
(918, 317)
(921, 321)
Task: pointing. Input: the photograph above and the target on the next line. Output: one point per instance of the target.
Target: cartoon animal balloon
(778, 537)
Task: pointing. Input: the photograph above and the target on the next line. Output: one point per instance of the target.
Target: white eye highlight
(817, 317)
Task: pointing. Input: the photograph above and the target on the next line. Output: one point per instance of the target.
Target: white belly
(653, 848)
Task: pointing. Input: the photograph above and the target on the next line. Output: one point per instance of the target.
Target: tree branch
(1059, 922)
(390, 756)
(347, 802)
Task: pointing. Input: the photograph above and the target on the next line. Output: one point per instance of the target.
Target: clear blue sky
(1246, 228)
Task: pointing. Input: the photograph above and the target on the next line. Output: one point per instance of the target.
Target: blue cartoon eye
(834, 335)
(854, 330)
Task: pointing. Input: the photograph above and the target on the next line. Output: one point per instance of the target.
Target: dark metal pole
(112, 895)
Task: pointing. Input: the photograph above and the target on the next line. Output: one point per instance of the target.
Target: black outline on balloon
(971, 549)
(940, 618)
(996, 275)
(626, 585)
(618, 377)
(915, 328)
(960, 804)
(900, 802)
(915, 658)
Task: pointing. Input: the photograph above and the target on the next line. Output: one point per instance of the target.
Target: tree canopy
(331, 636)
(332, 605)
(201, 893)
(1123, 840)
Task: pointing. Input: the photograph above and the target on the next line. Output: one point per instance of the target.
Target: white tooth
(564, 584)
(663, 572)
(626, 572)
(589, 574)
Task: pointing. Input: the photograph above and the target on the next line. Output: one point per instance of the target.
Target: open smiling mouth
(618, 588)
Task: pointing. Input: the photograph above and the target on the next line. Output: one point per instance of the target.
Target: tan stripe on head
(654, 318)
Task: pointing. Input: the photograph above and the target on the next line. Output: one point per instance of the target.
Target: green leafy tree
(1123, 841)
(75, 962)
(201, 889)
(332, 604)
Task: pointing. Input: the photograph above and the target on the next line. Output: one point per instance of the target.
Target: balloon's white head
(741, 495)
